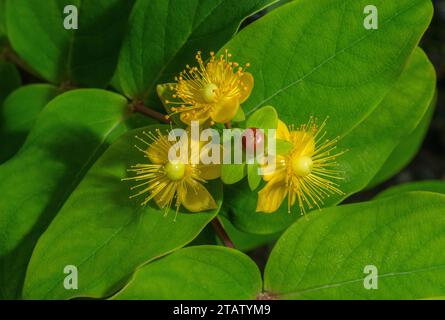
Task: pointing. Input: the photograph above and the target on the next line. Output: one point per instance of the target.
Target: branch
(222, 234)
(139, 107)
(10, 55)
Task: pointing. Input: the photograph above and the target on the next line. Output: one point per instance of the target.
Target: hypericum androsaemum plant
(213, 90)
(305, 173)
(72, 182)
(172, 183)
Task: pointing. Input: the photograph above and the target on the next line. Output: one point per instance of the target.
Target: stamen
(310, 176)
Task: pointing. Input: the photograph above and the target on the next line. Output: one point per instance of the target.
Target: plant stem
(222, 234)
(139, 107)
(11, 56)
(228, 125)
(267, 296)
(66, 86)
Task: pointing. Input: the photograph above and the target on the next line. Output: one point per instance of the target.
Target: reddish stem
(222, 234)
(267, 296)
(139, 107)
(10, 55)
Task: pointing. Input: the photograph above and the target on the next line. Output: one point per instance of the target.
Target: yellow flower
(305, 174)
(213, 90)
(166, 181)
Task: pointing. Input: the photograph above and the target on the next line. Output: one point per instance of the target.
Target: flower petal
(195, 197)
(272, 195)
(282, 131)
(225, 109)
(245, 86)
(200, 115)
(157, 151)
(165, 195)
(209, 171)
(166, 93)
(304, 143)
(280, 169)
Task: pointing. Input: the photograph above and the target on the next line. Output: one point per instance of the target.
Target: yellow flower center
(175, 170)
(209, 92)
(302, 166)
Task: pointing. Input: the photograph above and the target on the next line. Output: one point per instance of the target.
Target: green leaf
(239, 116)
(105, 234)
(206, 237)
(9, 79)
(69, 135)
(283, 146)
(167, 96)
(370, 143)
(242, 241)
(304, 68)
(202, 272)
(19, 113)
(155, 49)
(397, 115)
(264, 118)
(86, 56)
(246, 241)
(315, 68)
(253, 178)
(406, 150)
(427, 185)
(324, 256)
(3, 33)
(232, 173)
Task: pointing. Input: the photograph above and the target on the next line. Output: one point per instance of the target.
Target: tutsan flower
(212, 90)
(171, 183)
(306, 174)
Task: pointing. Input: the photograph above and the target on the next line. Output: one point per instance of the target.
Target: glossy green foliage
(65, 150)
